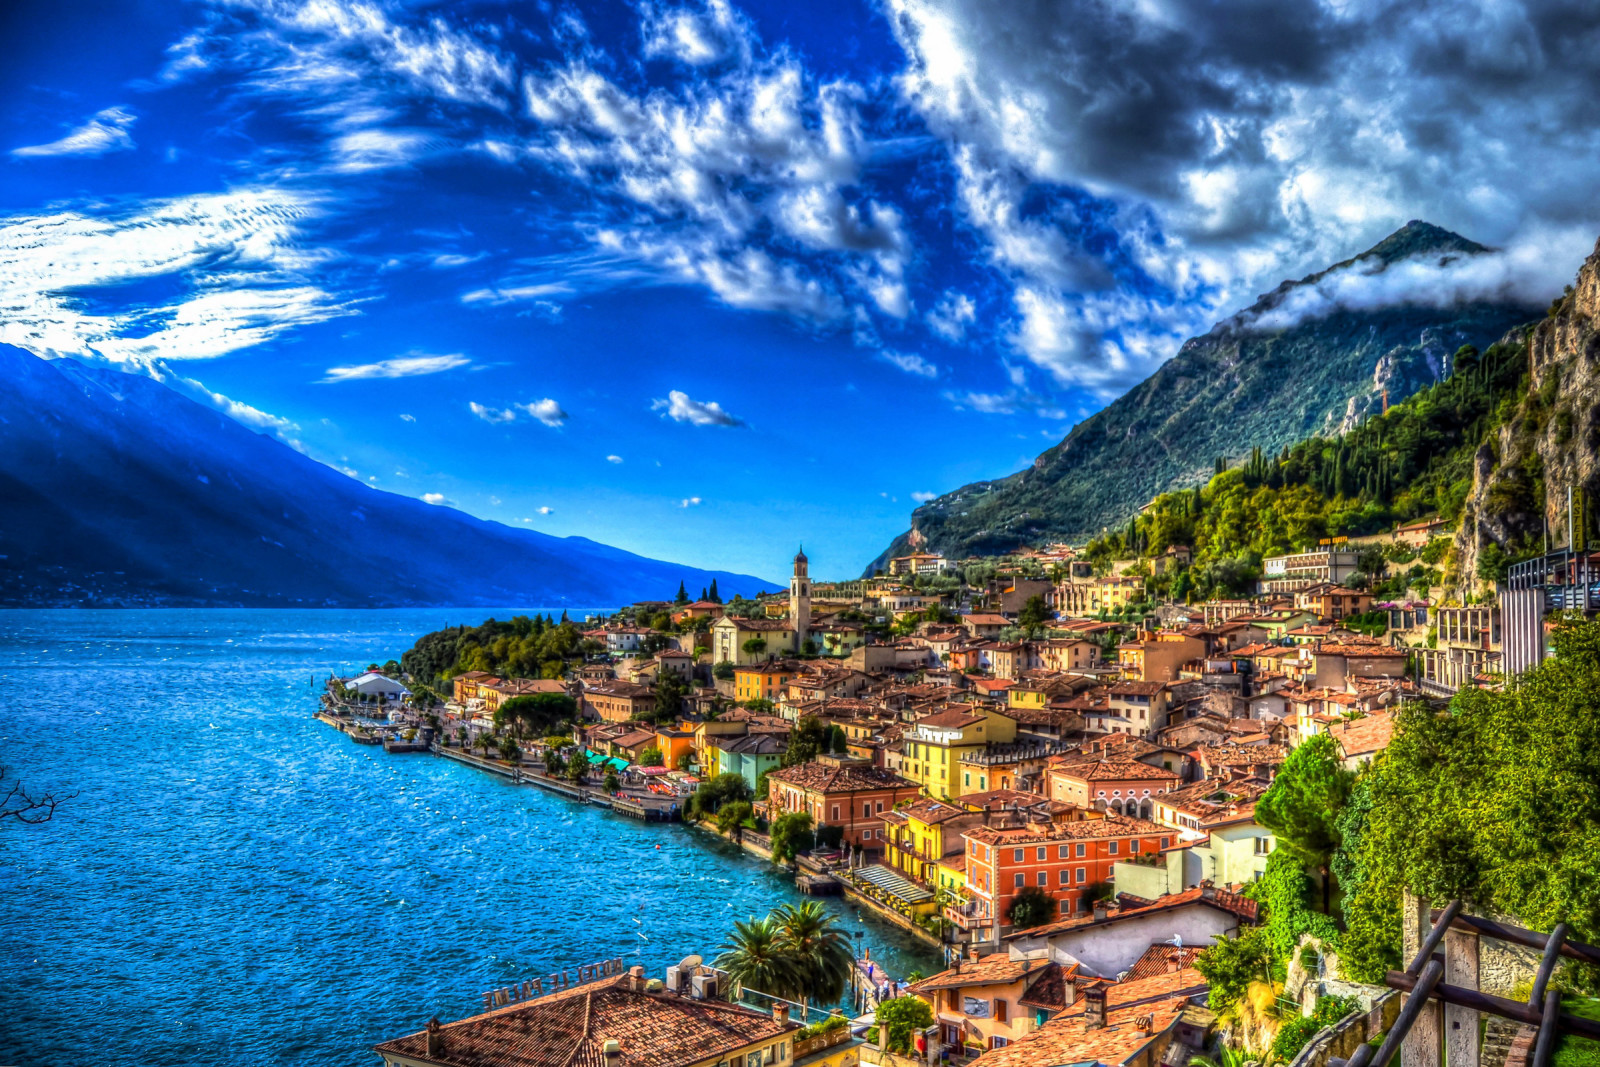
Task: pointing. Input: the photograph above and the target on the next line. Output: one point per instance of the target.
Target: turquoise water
(236, 883)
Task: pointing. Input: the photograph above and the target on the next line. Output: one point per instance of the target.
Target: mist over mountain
(116, 490)
(1313, 356)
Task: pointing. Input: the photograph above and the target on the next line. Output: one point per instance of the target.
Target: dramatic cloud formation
(105, 132)
(400, 367)
(680, 408)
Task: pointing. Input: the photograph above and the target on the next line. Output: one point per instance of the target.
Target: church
(745, 641)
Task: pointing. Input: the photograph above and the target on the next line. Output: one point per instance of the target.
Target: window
(1000, 1015)
(1083, 876)
(836, 813)
(880, 807)
(1001, 1042)
(1165, 841)
(1263, 846)
(1066, 876)
(1061, 853)
(1040, 853)
(1017, 854)
(866, 835)
(1044, 878)
(1080, 850)
(1018, 881)
(966, 779)
(1134, 847)
(866, 809)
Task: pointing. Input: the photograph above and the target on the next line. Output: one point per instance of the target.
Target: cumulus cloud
(613, 459)
(106, 131)
(435, 498)
(698, 35)
(546, 411)
(400, 367)
(545, 510)
(910, 362)
(253, 417)
(689, 502)
(923, 498)
(680, 408)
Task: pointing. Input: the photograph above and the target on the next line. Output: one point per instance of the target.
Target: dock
(818, 885)
(647, 810)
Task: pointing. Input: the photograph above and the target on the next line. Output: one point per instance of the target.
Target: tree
(650, 757)
(1303, 805)
(1034, 615)
(535, 714)
(714, 596)
(1231, 964)
(753, 958)
(903, 1016)
(838, 740)
(1285, 890)
(25, 807)
(755, 646)
(577, 768)
(685, 761)
(723, 671)
(554, 765)
(1032, 907)
(725, 788)
(612, 782)
(815, 949)
(732, 816)
(682, 597)
(791, 835)
(809, 738)
(669, 697)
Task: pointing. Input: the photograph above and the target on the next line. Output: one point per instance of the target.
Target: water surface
(237, 883)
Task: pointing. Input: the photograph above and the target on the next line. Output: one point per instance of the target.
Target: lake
(236, 883)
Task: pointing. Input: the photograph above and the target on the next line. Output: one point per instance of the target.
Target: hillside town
(1029, 763)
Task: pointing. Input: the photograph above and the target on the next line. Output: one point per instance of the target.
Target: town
(1072, 787)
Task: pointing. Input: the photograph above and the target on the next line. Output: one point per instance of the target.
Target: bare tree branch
(24, 807)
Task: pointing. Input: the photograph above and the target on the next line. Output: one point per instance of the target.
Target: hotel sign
(551, 983)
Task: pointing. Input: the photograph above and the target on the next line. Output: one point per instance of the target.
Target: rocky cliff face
(1551, 444)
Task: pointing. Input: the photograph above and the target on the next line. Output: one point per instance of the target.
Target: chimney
(1094, 1007)
(1100, 910)
(780, 1013)
(972, 953)
(636, 978)
(613, 1053)
(1143, 1024)
(435, 1044)
(957, 965)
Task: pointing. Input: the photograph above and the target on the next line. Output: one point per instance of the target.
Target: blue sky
(704, 280)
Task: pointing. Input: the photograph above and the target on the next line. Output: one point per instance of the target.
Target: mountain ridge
(1236, 387)
(117, 490)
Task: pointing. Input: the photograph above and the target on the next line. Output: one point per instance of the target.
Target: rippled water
(237, 883)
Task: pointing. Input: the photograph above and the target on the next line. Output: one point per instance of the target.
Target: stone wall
(1341, 1040)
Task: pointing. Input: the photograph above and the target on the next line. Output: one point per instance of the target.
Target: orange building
(840, 791)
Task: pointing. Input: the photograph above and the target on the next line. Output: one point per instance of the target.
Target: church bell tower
(800, 601)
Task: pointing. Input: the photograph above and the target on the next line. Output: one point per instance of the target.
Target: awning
(900, 888)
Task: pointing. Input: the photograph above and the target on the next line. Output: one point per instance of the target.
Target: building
(765, 681)
(1157, 655)
(747, 755)
(765, 638)
(1112, 938)
(979, 1004)
(935, 744)
(840, 791)
(700, 609)
(918, 563)
(1066, 858)
(1285, 574)
(1361, 739)
(800, 600)
(918, 835)
(1222, 842)
(1114, 784)
(377, 686)
(619, 701)
(622, 1025)
(1329, 601)
(1468, 648)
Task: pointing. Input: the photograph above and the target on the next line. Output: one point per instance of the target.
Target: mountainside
(115, 489)
(1549, 443)
(1250, 382)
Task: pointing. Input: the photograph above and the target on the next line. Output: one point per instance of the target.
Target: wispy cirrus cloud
(680, 407)
(106, 131)
(909, 362)
(409, 366)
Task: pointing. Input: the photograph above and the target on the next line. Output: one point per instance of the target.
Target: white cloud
(435, 498)
(488, 414)
(239, 259)
(107, 131)
(545, 510)
(400, 367)
(923, 498)
(613, 459)
(697, 36)
(408, 418)
(952, 315)
(690, 502)
(515, 294)
(546, 411)
(451, 260)
(911, 363)
(680, 408)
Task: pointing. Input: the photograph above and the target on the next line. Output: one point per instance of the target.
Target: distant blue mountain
(114, 489)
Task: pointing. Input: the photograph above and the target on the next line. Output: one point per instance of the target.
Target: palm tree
(818, 951)
(753, 958)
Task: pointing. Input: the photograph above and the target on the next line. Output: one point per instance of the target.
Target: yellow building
(935, 744)
(923, 833)
(1118, 592)
(1157, 655)
(764, 681)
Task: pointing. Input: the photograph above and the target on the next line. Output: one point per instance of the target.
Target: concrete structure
(1112, 939)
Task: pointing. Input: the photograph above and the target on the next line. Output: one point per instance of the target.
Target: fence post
(1421, 1047)
(1461, 1024)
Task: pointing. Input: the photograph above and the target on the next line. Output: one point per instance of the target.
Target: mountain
(1266, 377)
(1547, 446)
(116, 490)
